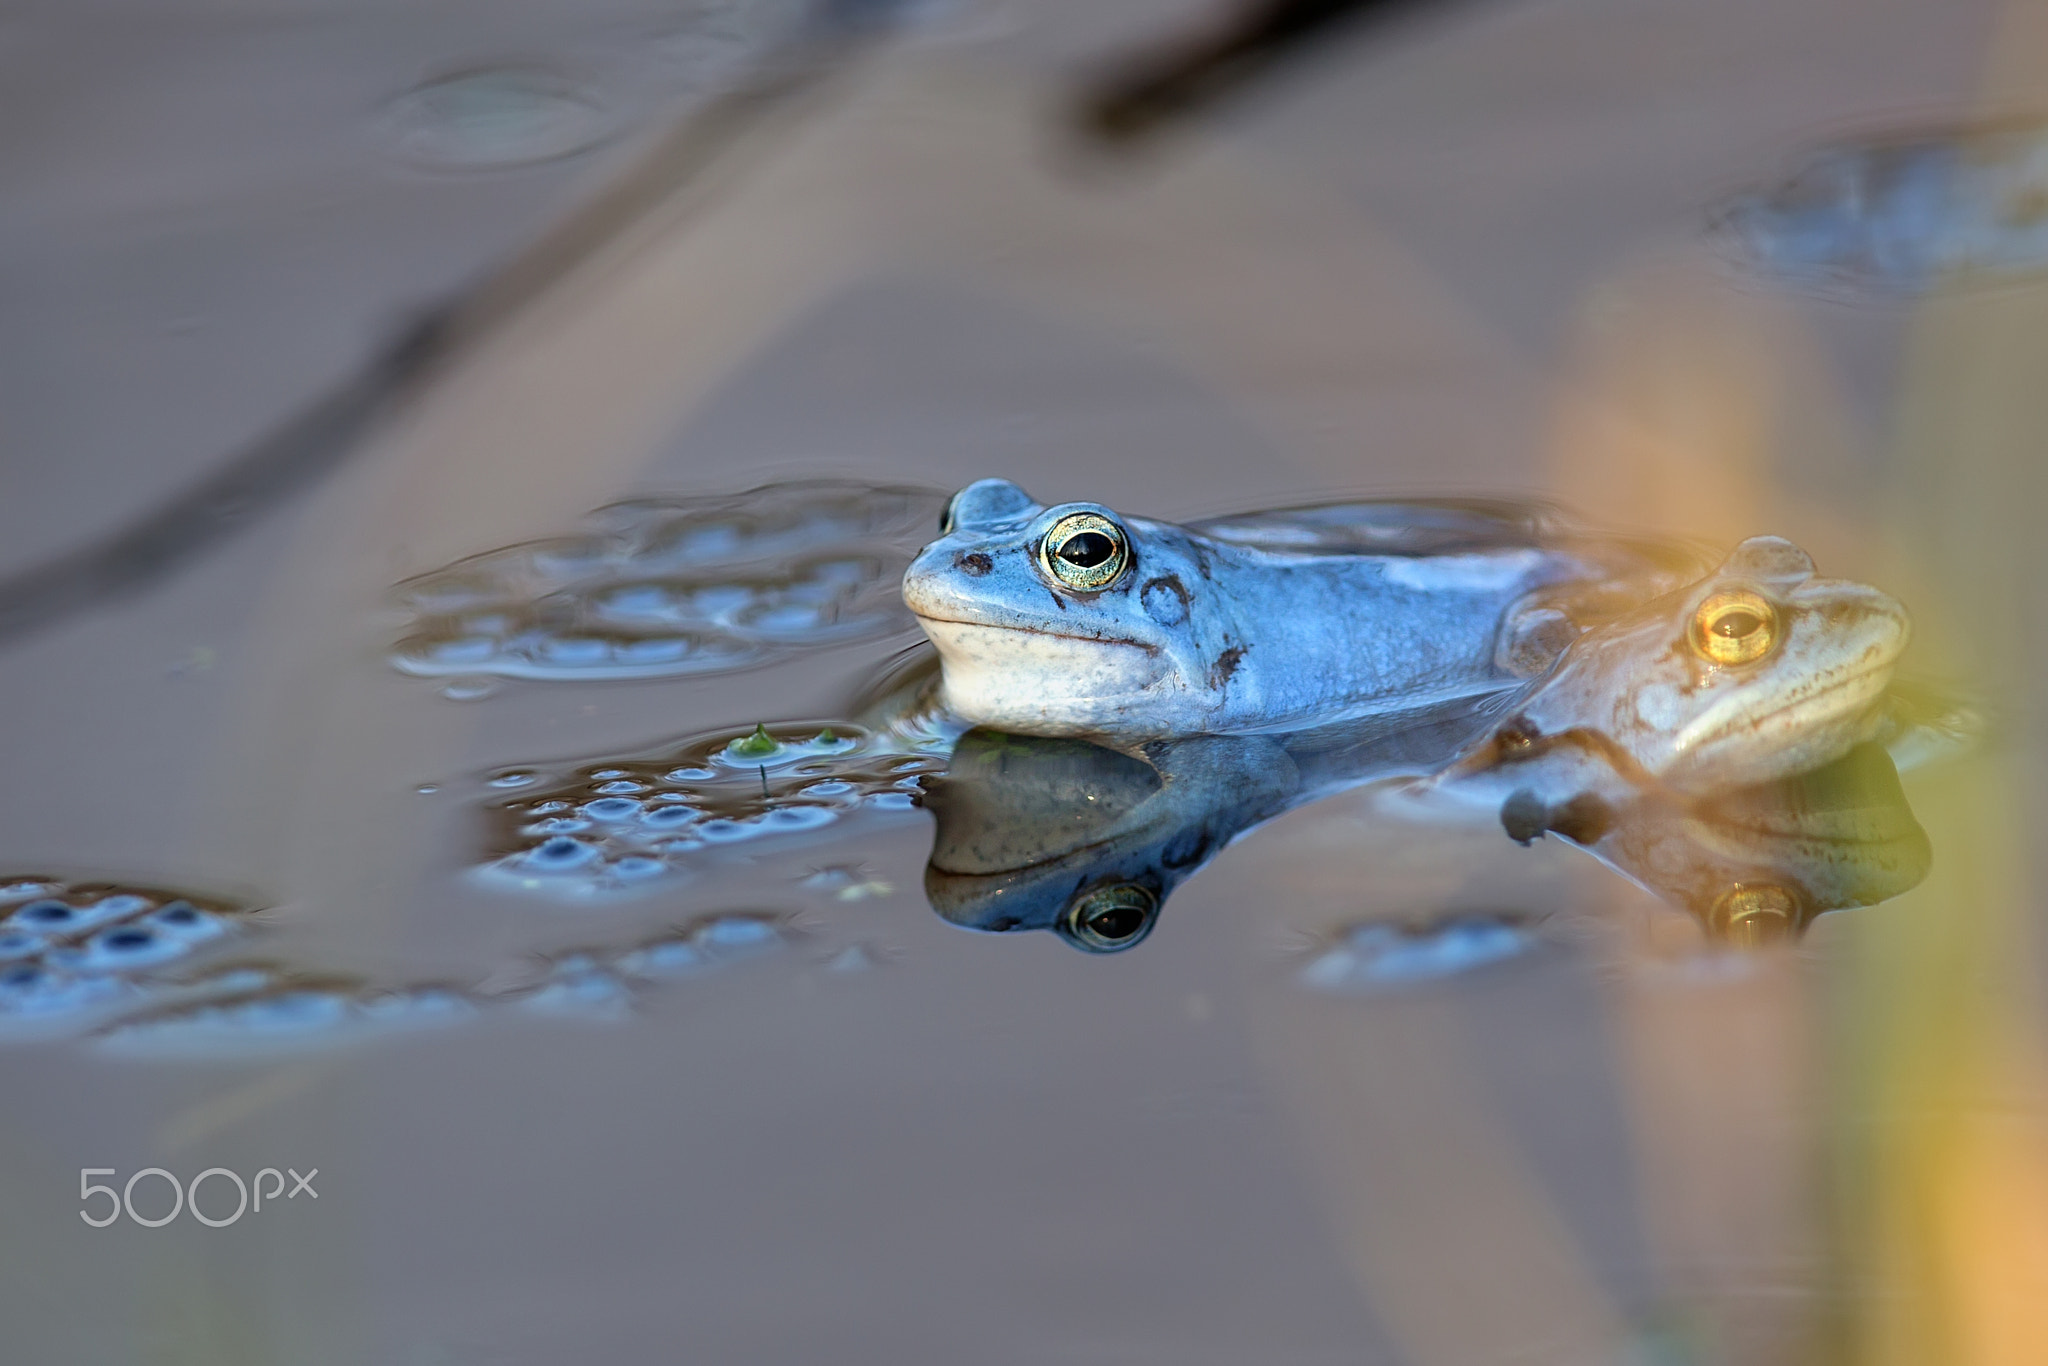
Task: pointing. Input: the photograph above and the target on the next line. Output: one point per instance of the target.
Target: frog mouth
(1037, 631)
(1810, 714)
(1869, 681)
(1042, 682)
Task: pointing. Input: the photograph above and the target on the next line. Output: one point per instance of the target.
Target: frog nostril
(976, 564)
(1517, 734)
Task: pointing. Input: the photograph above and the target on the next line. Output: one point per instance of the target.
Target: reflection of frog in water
(1759, 862)
(1073, 620)
(1056, 834)
(1047, 833)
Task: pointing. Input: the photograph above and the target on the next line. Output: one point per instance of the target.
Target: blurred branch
(1190, 75)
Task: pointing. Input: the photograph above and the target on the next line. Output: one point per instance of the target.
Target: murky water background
(348, 837)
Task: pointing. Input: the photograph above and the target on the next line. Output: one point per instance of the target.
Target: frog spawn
(265, 1007)
(261, 1006)
(620, 824)
(112, 960)
(83, 956)
(1379, 956)
(1900, 215)
(611, 983)
(75, 952)
(669, 587)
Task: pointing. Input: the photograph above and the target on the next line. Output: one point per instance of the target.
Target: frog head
(1759, 671)
(1070, 620)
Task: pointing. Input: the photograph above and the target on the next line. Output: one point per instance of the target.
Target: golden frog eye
(1109, 918)
(1084, 551)
(1754, 914)
(1735, 626)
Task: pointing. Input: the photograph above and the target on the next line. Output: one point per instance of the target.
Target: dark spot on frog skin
(1226, 665)
(1524, 816)
(1057, 600)
(1582, 820)
(1832, 613)
(1165, 600)
(975, 564)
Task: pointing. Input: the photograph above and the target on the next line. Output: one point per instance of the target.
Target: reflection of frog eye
(1108, 918)
(1752, 915)
(1085, 551)
(1734, 627)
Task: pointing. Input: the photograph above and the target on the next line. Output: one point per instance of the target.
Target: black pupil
(1735, 625)
(1117, 922)
(1087, 549)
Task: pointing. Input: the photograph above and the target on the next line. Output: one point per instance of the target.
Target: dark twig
(313, 442)
(1185, 77)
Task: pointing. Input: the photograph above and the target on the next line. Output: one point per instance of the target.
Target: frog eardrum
(1734, 626)
(1084, 551)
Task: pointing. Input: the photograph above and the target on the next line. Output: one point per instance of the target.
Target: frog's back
(1316, 634)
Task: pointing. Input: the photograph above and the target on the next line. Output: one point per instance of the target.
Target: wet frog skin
(1076, 621)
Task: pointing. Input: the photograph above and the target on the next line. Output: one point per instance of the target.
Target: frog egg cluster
(1898, 216)
(622, 823)
(72, 951)
(268, 1007)
(1378, 956)
(608, 983)
(663, 587)
(263, 1007)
